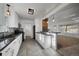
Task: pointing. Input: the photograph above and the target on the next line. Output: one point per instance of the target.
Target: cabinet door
(5, 52)
(3, 25)
(42, 38)
(2, 16)
(17, 44)
(13, 48)
(47, 42)
(12, 20)
(54, 43)
(8, 52)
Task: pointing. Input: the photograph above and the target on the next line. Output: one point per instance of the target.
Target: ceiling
(40, 9)
(69, 14)
(65, 14)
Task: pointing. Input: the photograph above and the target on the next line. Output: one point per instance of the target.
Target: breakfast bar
(47, 39)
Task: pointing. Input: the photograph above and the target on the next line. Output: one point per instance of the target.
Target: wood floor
(70, 51)
(31, 48)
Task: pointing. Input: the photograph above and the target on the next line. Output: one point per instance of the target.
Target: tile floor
(31, 48)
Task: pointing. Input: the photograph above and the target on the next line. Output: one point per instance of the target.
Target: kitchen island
(47, 39)
(9, 45)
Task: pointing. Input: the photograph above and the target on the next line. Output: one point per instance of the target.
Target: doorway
(45, 25)
(34, 32)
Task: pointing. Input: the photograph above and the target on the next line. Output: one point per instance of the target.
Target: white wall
(27, 25)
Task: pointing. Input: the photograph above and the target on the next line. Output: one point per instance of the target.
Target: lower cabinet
(13, 48)
(54, 42)
(47, 41)
(17, 44)
(44, 40)
(8, 52)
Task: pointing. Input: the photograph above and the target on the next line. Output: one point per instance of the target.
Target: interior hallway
(31, 48)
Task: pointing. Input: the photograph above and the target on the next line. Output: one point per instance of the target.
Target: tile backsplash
(4, 29)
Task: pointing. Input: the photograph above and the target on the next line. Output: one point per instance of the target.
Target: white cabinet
(38, 36)
(3, 26)
(13, 48)
(2, 16)
(44, 40)
(17, 44)
(47, 41)
(12, 20)
(54, 41)
(8, 52)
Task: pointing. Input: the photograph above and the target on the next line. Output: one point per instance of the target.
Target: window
(70, 28)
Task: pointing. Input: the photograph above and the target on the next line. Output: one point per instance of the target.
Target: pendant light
(8, 10)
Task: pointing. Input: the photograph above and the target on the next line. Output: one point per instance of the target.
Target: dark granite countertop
(45, 33)
(10, 38)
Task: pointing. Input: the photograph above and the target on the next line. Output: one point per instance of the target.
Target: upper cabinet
(5, 20)
(2, 16)
(12, 20)
(3, 25)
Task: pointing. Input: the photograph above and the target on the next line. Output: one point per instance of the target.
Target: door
(45, 25)
(34, 32)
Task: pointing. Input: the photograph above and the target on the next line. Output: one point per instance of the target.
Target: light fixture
(53, 19)
(30, 11)
(8, 10)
